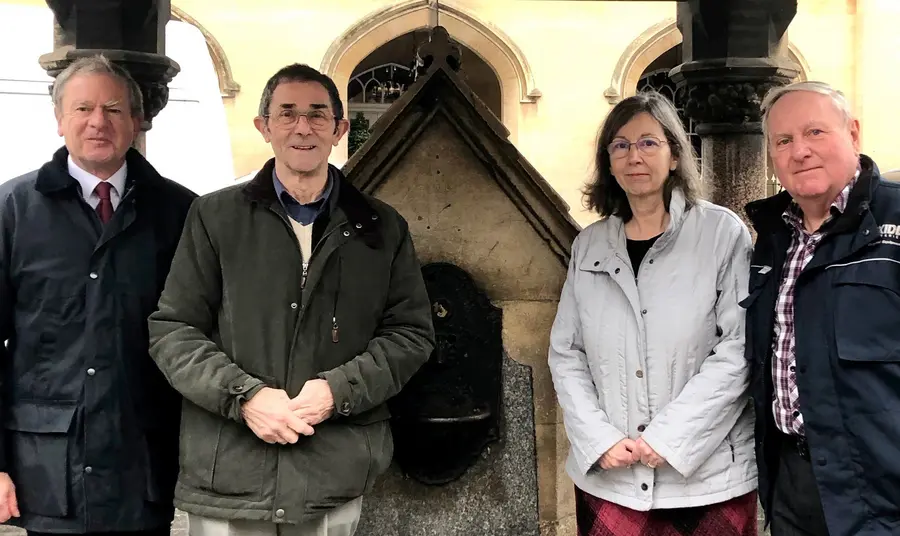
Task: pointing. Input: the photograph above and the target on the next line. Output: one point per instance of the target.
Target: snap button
(358, 226)
(238, 388)
(91, 372)
(93, 275)
(345, 407)
(346, 233)
(618, 270)
(293, 305)
(796, 414)
(374, 217)
(279, 513)
(88, 469)
(596, 263)
(641, 428)
(866, 232)
(644, 311)
(639, 374)
(650, 261)
(644, 487)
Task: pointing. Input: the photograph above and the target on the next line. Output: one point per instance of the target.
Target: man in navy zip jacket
(823, 324)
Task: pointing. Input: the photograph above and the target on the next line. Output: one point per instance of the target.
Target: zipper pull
(334, 329)
(303, 277)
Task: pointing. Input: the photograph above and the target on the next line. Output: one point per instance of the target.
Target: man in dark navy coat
(823, 325)
(90, 426)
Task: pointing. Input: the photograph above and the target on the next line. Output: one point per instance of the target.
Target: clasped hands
(630, 451)
(276, 418)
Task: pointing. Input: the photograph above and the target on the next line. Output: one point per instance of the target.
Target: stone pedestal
(497, 495)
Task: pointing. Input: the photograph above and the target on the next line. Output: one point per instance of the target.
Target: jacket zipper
(335, 335)
(303, 278)
(302, 308)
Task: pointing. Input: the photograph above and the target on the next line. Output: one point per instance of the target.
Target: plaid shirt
(786, 401)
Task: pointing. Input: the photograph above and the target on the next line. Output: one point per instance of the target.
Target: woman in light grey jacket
(647, 349)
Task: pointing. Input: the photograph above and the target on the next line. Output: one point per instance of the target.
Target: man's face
(301, 126)
(813, 146)
(95, 119)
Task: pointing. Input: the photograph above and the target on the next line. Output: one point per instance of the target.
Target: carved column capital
(725, 95)
(152, 72)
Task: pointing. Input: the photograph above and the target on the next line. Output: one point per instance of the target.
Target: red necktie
(104, 207)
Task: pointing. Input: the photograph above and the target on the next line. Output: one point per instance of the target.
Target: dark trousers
(162, 531)
(796, 506)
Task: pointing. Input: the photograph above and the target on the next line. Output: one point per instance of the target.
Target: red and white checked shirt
(786, 403)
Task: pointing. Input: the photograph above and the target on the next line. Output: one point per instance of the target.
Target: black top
(637, 249)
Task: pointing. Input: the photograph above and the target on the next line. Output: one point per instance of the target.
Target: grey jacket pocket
(343, 462)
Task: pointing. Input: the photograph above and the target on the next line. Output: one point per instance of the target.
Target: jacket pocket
(867, 299)
(197, 447)
(240, 462)
(39, 462)
(867, 341)
(874, 437)
(344, 461)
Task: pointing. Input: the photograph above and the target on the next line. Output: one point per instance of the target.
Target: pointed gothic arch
(651, 44)
(517, 84)
(227, 86)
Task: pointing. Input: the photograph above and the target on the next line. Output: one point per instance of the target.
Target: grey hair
(98, 64)
(299, 72)
(774, 94)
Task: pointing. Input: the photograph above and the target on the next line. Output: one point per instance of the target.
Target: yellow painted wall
(572, 48)
(556, 133)
(878, 79)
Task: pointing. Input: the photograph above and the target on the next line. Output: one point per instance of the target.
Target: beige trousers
(341, 521)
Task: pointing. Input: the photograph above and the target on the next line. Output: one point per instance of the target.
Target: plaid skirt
(735, 517)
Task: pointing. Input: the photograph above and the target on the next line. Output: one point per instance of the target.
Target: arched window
(382, 84)
(388, 71)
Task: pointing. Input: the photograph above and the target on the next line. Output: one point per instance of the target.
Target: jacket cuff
(340, 391)
(587, 456)
(666, 453)
(242, 389)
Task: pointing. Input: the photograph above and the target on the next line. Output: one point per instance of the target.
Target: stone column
(130, 33)
(734, 52)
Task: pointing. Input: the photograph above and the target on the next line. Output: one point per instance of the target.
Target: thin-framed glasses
(288, 117)
(647, 146)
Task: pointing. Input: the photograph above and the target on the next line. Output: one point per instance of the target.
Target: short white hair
(774, 94)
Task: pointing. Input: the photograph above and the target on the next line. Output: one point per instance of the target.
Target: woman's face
(640, 157)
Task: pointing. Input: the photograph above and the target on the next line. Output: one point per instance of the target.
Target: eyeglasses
(317, 119)
(648, 146)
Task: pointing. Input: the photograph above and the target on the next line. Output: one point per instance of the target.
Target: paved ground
(179, 528)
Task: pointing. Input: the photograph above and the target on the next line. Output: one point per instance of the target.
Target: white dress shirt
(88, 182)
